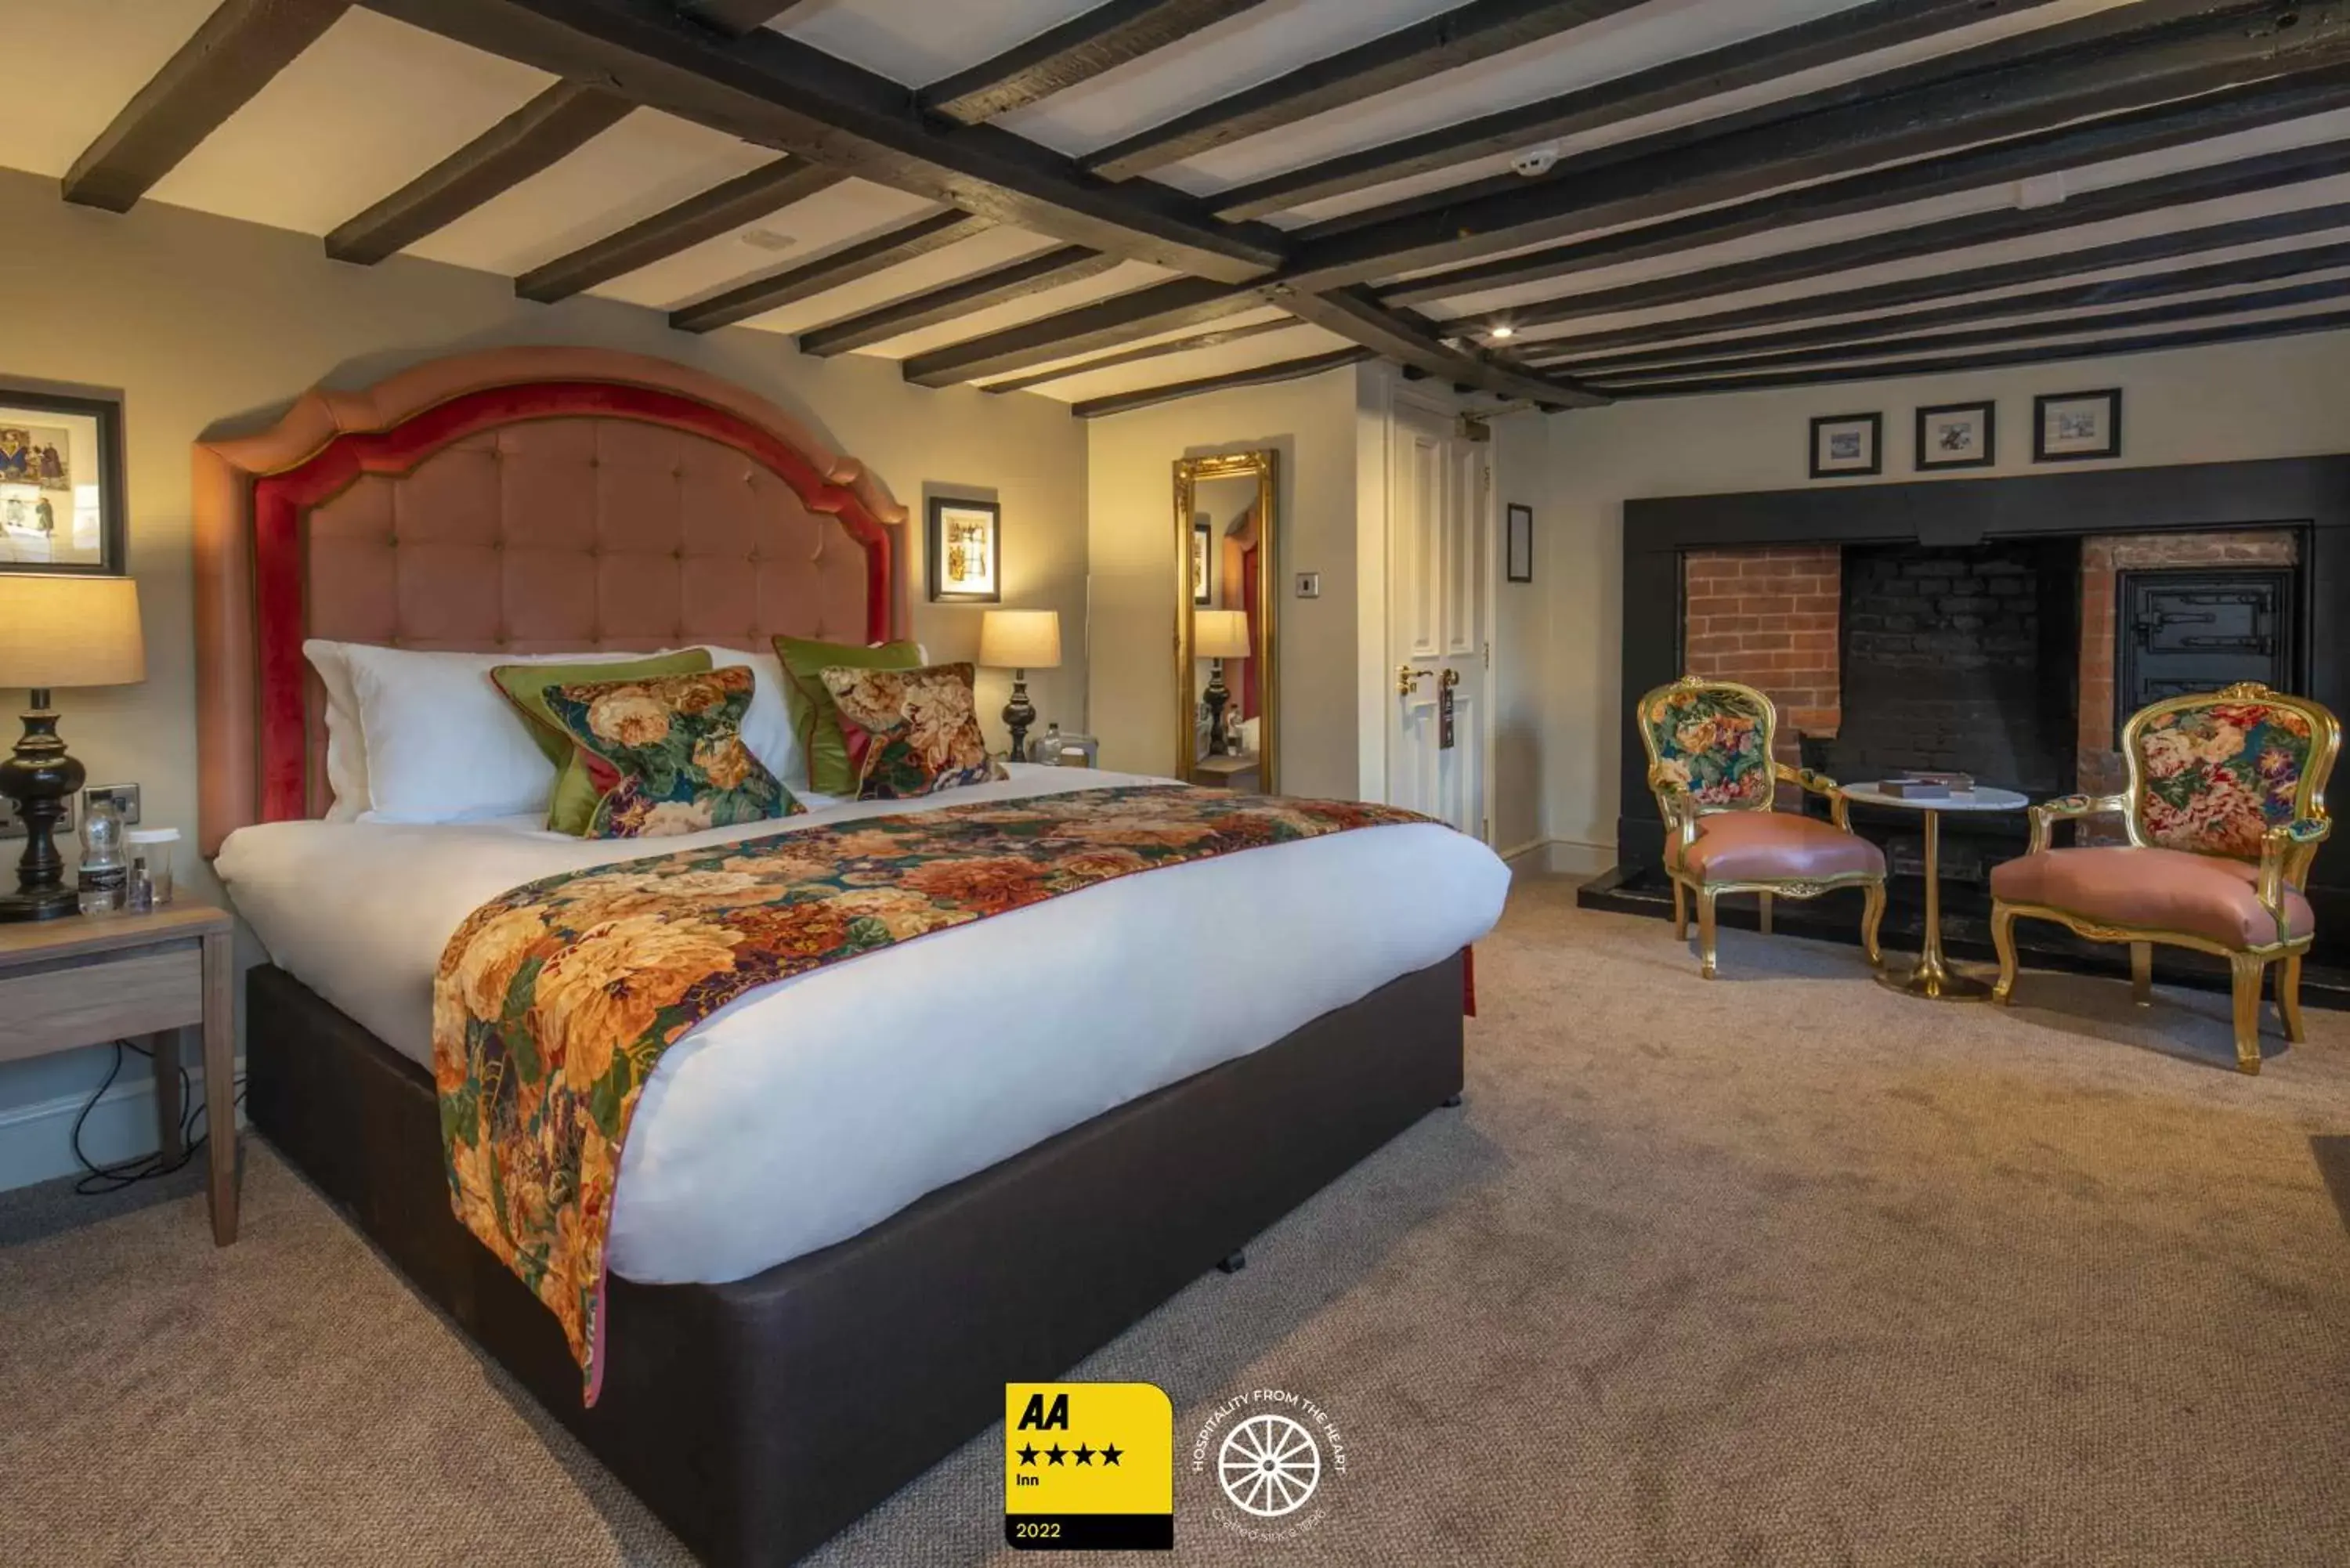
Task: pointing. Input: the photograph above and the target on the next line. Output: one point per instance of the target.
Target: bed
(853, 1204)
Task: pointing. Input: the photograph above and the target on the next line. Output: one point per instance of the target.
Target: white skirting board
(36, 1139)
(1559, 856)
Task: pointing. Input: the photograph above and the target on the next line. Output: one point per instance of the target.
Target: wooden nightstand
(86, 980)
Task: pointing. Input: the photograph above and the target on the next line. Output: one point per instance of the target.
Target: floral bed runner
(552, 1003)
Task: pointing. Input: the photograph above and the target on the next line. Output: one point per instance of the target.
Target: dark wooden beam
(1826, 40)
(826, 273)
(1665, 340)
(1215, 338)
(1112, 323)
(557, 123)
(1264, 375)
(774, 91)
(719, 209)
(1410, 55)
(2273, 171)
(1905, 344)
(1016, 280)
(1410, 339)
(2040, 354)
(233, 55)
(738, 15)
(2016, 97)
(1076, 51)
(2070, 146)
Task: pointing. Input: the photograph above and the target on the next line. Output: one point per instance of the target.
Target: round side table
(1932, 978)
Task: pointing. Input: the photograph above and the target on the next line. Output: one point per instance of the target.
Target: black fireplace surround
(1990, 531)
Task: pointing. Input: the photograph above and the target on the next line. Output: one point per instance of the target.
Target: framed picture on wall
(1518, 543)
(966, 551)
(1956, 435)
(1846, 446)
(1203, 563)
(2074, 427)
(61, 506)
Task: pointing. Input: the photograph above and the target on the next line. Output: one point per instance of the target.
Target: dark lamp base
(39, 904)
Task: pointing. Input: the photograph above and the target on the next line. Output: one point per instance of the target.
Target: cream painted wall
(2275, 399)
(210, 326)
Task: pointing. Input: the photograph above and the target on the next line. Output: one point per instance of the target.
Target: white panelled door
(1436, 619)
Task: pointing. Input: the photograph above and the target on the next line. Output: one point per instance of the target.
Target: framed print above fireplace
(1956, 435)
(1847, 446)
(2074, 427)
(60, 483)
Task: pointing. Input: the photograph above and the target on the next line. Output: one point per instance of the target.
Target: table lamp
(1219, 635)
(57, 630)
(1020, 641)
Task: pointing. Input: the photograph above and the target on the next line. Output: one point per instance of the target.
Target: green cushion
(815, 718)
(525, 686)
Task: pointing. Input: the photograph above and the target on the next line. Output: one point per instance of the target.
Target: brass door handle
(1405, 676)
(1451, 679)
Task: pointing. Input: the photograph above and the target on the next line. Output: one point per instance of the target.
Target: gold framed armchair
(1709, 763)
(2224, 812)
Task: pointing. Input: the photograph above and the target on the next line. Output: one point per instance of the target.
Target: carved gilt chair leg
(2142, 973)
(1705, 950)
(2248, 969)
(2289, 998)
(1872, 915)
(1763, 904)
(1681, 911)
(2002, 938)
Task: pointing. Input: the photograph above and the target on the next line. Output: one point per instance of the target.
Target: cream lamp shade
(1020, 639)
(70, 631)
(1219, 634)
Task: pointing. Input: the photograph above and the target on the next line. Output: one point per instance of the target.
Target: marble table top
(1982, 797)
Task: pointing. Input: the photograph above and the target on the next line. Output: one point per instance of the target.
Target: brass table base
(1932, 978)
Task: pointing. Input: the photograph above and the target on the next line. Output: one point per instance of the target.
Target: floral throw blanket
(554, 1003)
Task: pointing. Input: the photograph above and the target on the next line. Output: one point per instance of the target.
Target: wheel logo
(1269, 1466)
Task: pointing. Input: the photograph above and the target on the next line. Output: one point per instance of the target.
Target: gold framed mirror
(1227, 536)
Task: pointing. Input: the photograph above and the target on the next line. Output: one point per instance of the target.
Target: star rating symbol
(1056, 1454)
(1110, 1455)
(1028, 1455)
(1084, 1455)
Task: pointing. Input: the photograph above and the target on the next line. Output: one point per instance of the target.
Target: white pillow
(442, 744)
(346, 774)
(767, 723)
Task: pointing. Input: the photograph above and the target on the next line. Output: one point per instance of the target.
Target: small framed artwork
(1846, 446)
(1203, 564)
(966, 551)
(2072, 427)
(1958, 435)
(61, 506)
(1518, 544)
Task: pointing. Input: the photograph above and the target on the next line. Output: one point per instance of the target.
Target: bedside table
(86, 980)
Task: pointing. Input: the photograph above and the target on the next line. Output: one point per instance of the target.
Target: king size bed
(856, 1200)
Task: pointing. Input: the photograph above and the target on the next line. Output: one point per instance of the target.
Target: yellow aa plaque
(1088, 1467)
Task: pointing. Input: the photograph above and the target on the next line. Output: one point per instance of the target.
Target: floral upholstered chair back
(2214, 771)
(1712, 739)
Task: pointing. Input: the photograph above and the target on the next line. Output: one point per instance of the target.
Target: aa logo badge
(1088, 1467)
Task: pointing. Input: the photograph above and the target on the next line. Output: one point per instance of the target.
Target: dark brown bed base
(758, 1418)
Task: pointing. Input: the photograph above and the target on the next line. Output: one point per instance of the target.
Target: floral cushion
(918, 730)
(572, 804)
(1710, 741)
(668, 754)
(2216, 778)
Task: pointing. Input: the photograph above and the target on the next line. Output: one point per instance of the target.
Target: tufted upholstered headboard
(526, 499)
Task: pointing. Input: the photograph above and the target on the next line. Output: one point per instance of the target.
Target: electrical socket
(125, 797)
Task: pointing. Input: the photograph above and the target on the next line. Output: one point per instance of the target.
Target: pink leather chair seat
(1775, 846)
(2161, 889)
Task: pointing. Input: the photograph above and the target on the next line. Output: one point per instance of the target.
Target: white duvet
(810, 1110)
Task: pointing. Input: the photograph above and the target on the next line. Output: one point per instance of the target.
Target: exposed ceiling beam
(1215, 338)
(1112, 323)
(2104, 347)
(2273, 171)
(1262, 375)
(1412, 340)
(1901, 343)
(1076, 51)
(826, 273)
(2017, 98)
(1665, 340)
(1823, 41)
(1410, 54)
(1015, 280)
(557, 123)
(775, 91)
(233, 56)
(738, 15)
(718, 210)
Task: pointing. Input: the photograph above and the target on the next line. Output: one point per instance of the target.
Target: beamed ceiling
(1116, 202)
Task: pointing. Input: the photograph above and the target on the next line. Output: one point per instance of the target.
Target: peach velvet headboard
(531, 500)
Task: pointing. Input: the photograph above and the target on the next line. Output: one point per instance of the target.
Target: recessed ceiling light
(1501, 333)
(768, 239)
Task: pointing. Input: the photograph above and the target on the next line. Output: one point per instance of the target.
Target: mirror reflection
(1224, 508)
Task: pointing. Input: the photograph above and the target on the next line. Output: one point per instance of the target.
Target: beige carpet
(1784, 1269)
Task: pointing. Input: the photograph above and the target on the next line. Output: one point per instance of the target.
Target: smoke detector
(1535, 160)
(768, 239)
